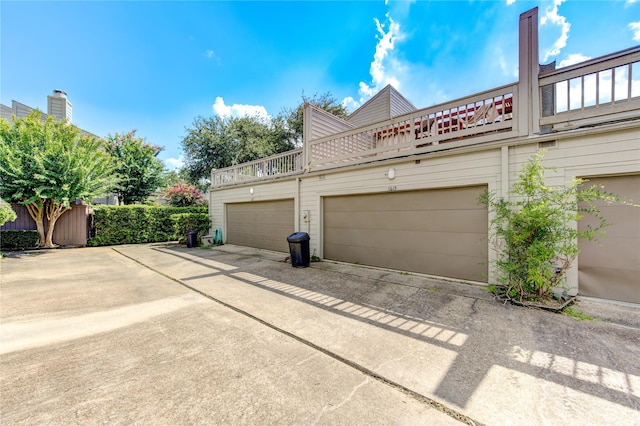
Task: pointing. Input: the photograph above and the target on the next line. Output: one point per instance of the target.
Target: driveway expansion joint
(370, 373)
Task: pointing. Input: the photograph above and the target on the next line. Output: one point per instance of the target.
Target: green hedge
(111, 225)
(19, 240)
(185, 222)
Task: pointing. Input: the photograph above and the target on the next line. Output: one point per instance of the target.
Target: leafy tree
(45, 165)
(184, 195)
(216, 142)
(171, 177)
(139, 169)
(294, 117)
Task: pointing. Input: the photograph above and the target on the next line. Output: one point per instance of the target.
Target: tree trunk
(36, 211)
(54, 211)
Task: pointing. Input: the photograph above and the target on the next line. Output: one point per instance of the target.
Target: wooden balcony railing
(284, 164)
(470, 120)
(597, 91)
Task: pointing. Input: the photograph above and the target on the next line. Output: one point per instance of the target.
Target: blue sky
(156, 65)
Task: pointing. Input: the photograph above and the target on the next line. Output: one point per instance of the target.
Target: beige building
(397, 187)
(58, 106)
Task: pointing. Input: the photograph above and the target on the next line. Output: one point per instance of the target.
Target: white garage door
(611, 269)
(264, 224)
(439, 232)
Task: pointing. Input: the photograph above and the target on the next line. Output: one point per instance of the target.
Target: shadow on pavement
(589, 357)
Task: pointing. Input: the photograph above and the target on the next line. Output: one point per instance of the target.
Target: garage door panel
(459, 199)
(605, 282)
(431, 220)
(623, 223)
(263, 224)
(611, 253)
(466, 244)
(474, 268)
(611, 269)
(439, 232)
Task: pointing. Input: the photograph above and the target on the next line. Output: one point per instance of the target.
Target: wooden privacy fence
(71, 228)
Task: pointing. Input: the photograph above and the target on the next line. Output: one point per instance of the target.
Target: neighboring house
(58, 106)
(397, 187)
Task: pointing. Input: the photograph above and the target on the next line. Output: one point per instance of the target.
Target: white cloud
(174, 163)
(630, 2)
(552, 17)
(574, 58)
(635, 27)
(384, 66)
(510, 2)
(506, 68)
(210, 54)
(238, 110)
(350, 104)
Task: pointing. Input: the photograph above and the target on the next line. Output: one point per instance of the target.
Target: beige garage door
(440, 232)
(264, 224)
(611, 269)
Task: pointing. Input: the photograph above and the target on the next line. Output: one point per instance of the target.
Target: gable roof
(385, 104)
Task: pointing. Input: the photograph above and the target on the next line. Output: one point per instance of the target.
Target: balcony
(475, 119)
(279, 165)
(596, 92)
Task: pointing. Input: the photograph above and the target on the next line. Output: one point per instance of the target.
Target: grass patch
(577, 314)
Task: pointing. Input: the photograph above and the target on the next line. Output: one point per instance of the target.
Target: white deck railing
(284, 164)
(601, 90)
(461, 122)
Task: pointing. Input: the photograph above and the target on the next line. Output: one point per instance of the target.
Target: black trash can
(299, 249)
(192, 239)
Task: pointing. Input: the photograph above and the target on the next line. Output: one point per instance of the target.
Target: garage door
(264, 225)
(611, 269)
(439, 232)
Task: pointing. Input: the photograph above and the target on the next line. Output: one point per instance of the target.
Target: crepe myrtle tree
(45, 165)
(184, 195)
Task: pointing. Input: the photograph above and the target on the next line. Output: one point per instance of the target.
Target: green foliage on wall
(18, 240)
(111, 225)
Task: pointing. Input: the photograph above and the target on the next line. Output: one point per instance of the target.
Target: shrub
(187, 222)
(112, 225)
(19, 240)
(183, 195)
(534, 232)
(6, 213)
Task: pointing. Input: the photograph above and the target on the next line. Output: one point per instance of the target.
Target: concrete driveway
(161, 334)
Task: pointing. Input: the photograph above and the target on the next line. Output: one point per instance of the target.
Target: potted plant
(535, 235)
